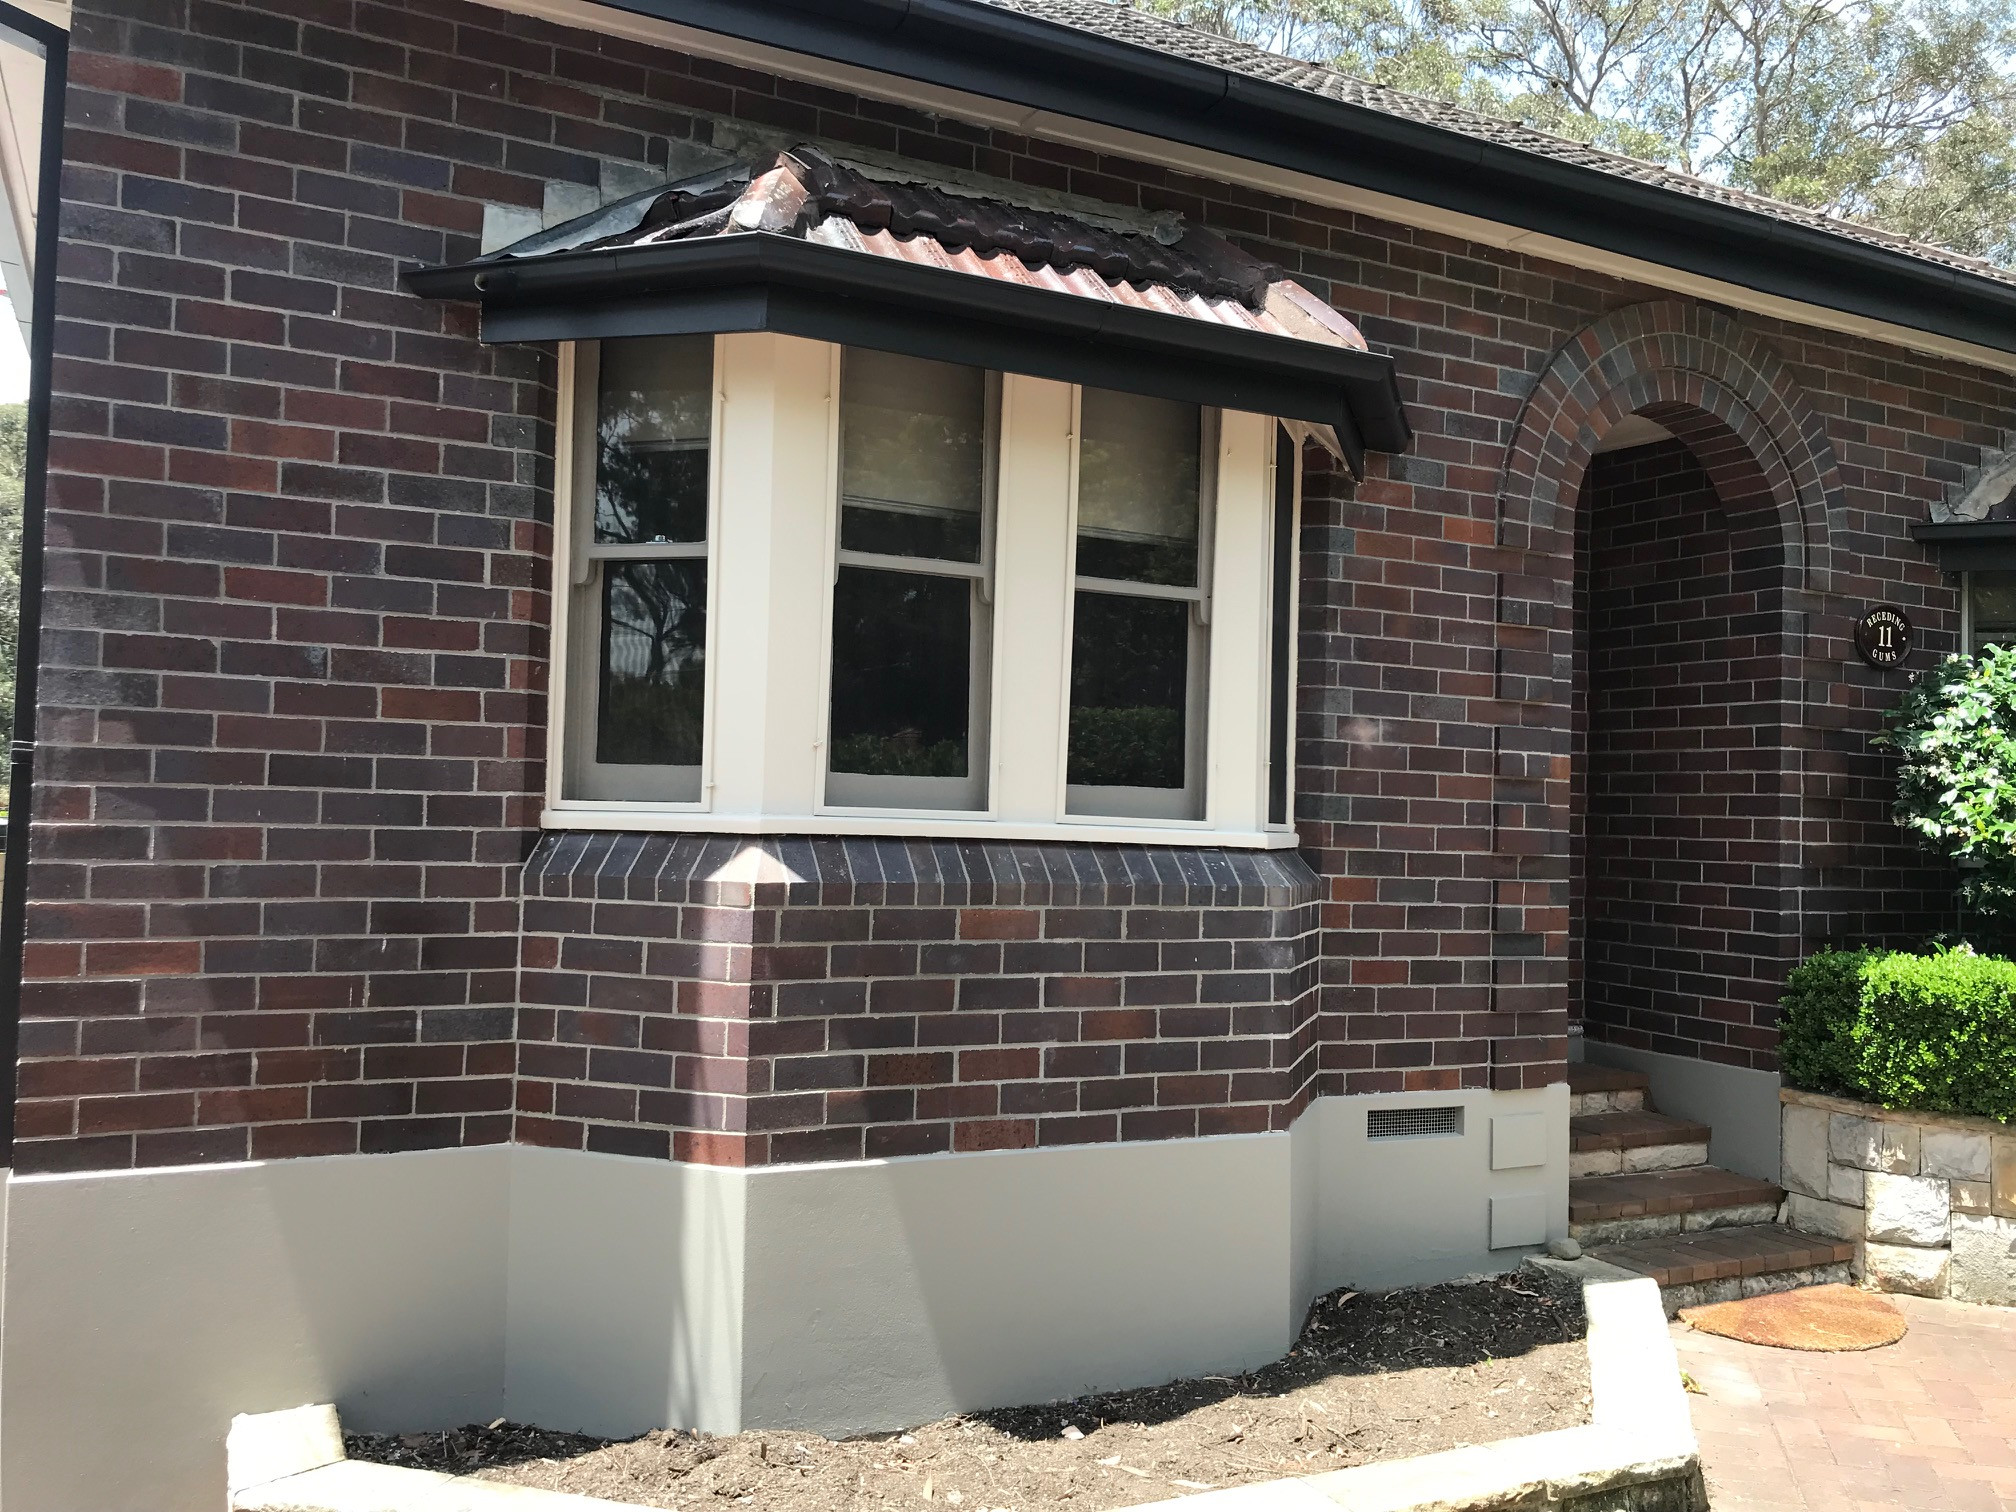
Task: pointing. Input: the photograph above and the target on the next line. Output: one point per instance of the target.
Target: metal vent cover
(1413, 1123)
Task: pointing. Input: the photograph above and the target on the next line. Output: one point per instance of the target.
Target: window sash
(869, 792)
(1187, 803)
(582, 776)
(1978, 631)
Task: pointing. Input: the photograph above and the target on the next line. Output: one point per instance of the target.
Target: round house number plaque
(1883, 636)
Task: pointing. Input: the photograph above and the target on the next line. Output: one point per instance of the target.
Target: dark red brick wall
(294, 672)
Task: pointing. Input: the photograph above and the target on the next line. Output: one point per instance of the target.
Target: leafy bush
(1935, 1033)
(1956, 786)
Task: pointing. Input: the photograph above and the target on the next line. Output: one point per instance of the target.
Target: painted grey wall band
(1739, 1104)
(436, 1288)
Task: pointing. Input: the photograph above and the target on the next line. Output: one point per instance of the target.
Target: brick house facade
(1580, 739)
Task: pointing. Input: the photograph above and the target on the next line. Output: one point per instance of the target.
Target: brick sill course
(1638, 1448)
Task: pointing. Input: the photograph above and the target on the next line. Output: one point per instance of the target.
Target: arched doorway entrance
(1684, 806)
(1670, 496)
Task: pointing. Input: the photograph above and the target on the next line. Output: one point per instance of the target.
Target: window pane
(902, 673)
(1130, 682)
(1139, 469)
(1994, 607)
(653, 427)
(913, 456)
(654, 654)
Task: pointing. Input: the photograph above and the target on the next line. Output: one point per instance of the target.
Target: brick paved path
(1928, 1424)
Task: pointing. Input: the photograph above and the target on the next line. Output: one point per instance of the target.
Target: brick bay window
(887, 508)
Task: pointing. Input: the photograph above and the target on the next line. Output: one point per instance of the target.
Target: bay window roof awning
(1970, 545)
(806, 245)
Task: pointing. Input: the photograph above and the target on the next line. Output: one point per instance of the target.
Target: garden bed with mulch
(1373, 1377)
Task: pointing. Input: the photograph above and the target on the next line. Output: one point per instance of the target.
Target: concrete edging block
(348, 1485)
(1639, 1436)
(270, 1446)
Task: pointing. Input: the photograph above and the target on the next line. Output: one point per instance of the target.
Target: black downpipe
(54, 43)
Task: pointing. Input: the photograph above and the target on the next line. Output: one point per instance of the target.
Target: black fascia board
(1026, 60)
(1970, 545)
(756, 281)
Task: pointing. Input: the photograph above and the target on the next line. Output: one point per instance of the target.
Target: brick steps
(1644, 1204)
(1604, 1144)
(1757, 1250)
(1583, 1077)
(1606, 1089)
(1642, 1197)
(1635, 1130)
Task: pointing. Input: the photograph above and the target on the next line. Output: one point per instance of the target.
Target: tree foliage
(1896, 113)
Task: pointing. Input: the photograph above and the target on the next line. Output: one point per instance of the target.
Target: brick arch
(1728, 396)
(1742, 414)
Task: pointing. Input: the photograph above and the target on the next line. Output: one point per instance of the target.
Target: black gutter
(1970, 545)
(1006, 55)
(758, 281)
(55, 45)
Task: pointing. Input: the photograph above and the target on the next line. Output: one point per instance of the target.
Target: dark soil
(1373, 1377)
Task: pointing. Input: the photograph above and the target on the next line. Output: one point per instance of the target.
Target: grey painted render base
(1739, 1104)
(144, 1309)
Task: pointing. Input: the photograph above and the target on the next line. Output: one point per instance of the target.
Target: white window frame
(578, 604)
(1967, 625)
(773, 538)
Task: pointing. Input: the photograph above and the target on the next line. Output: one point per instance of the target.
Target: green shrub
(1956, 785)
(1935, 1033)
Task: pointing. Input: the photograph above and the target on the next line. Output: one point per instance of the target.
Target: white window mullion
(1236, 737)
(561, 677)
(1032, 597)
(772, 563)
(1286, 493)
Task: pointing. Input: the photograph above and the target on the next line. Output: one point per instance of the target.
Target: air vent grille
(1413, 1123)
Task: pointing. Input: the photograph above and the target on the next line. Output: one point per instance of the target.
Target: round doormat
(1815, 1317)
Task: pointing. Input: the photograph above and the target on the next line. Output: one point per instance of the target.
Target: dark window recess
(1993, 607)
(886, 532)
(654, 663)
(913, 457)
(650, 492)
(902, 673)
(1130, 674)
(1413, 1123)
(652, 432)
(1281, 692)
